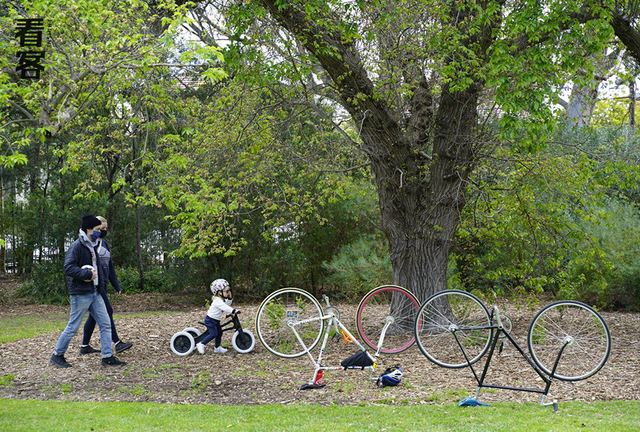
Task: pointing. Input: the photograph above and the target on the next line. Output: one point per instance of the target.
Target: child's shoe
(200, 347)
(219, 350)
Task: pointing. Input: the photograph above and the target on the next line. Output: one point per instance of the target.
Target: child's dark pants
(215, 331)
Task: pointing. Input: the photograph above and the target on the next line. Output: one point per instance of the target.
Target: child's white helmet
(218, 285)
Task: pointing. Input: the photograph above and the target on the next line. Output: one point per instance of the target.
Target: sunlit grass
(29, 415)
(16, 327)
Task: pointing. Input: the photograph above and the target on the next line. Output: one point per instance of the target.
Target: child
(220, 303)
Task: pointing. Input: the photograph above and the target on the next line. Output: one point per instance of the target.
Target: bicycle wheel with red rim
(387, 304)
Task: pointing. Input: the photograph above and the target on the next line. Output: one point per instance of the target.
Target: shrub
(606, 271)
(129, 279)
(156, 280)
(360, 266)
(47, 284)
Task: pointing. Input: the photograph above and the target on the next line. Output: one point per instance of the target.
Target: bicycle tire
(581, 328)
(182, 343)
(380, 304)
(243, 341)
(284, 306)
(450, 319)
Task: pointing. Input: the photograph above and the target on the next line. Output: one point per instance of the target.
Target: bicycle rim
(578, 329)
(284, 307)
(387, 303)
(450, 325)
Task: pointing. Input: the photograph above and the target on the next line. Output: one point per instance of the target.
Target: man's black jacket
(77, 256)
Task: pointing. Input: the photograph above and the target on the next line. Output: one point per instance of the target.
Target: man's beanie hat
(89, 221)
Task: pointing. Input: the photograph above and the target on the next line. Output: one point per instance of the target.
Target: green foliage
(607, 272)
(360, 266)
(156, 280)
(564, 223)
(295, 254)
(47, 284)
(611, 113)
(252, 174)
(6, 379)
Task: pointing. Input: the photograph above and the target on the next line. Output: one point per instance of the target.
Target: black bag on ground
(361, 359)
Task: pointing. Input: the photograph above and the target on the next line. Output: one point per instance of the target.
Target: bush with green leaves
(47, 284)
(605, 270)
(565, 223)
(360, 266)
(155, 280)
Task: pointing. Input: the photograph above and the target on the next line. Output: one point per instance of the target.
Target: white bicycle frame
(332, 319)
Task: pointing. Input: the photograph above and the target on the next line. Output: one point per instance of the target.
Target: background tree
(284, 144)
(428, 86)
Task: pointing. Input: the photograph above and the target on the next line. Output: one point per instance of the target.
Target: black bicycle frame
(232, 324)
(496, 330)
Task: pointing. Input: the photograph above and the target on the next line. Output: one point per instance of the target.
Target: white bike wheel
(283, 310)
(243, 344)
(183, 343)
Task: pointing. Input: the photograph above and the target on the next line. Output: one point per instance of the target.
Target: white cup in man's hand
(92, 271)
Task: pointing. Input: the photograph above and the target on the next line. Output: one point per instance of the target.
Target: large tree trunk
(420, 215)
(421, 195)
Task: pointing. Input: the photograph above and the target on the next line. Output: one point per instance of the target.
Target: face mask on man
(95, 235)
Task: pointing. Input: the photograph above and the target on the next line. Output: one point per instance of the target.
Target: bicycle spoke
(576, 327)
(450, 320)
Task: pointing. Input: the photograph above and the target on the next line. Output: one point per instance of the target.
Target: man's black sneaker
(88, 350)
(121, 346)
(59, 361)
(112, 361)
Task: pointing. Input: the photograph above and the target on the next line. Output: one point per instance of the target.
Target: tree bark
(420, 197)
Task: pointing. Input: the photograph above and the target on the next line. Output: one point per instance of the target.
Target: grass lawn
(28, 415)
(36, 415)
(15, 327)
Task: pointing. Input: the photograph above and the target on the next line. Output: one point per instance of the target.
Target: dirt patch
(155, 374)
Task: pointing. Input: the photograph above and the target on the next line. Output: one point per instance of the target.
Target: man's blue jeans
(80, 305)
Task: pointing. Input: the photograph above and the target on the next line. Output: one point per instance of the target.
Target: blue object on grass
(469, 401)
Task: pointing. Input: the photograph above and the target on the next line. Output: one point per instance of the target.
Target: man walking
(86, 280)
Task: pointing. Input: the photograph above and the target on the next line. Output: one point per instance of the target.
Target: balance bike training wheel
(193, 331)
